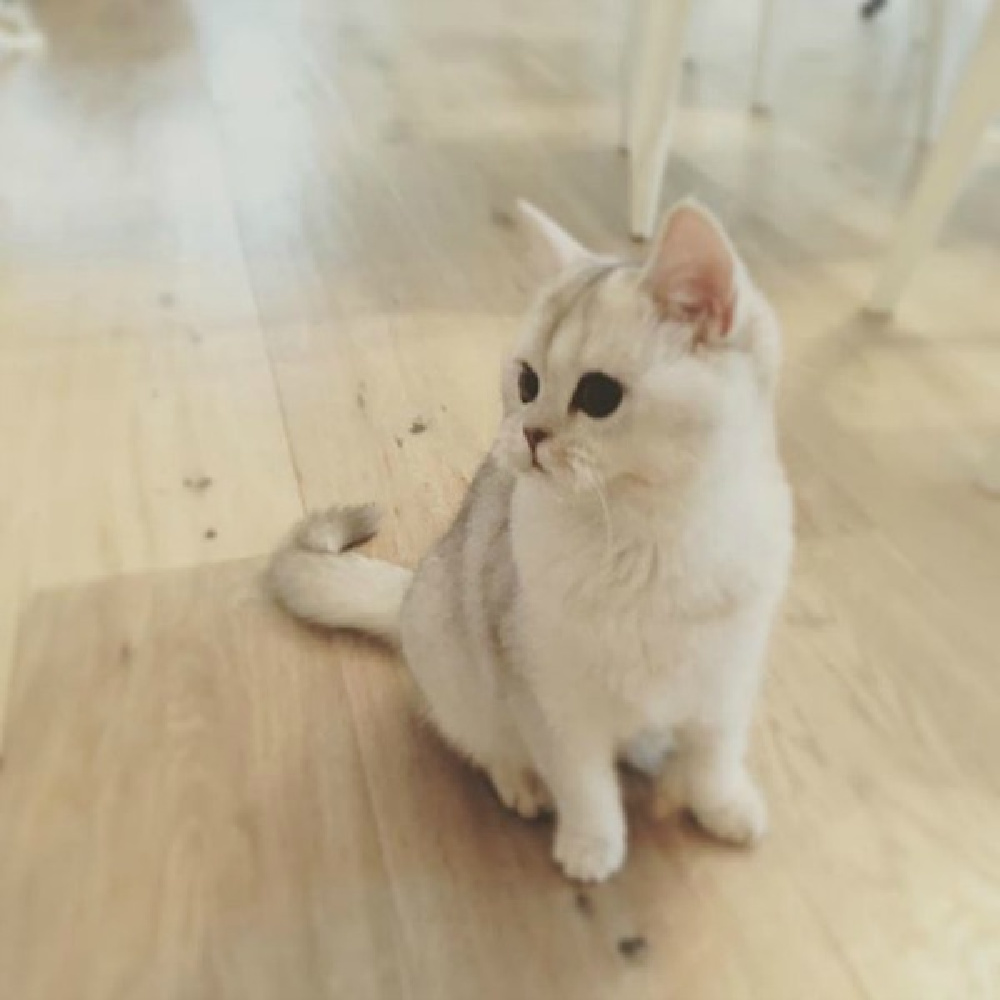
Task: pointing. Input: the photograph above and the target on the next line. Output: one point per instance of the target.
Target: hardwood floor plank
(139, 423)
(183, 812)
(260, 255)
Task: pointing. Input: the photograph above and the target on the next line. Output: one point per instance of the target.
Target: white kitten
(608, 587)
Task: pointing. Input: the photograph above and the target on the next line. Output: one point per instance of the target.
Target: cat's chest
(634, 615)
(622, 602)
(625, 645)
(655, 582)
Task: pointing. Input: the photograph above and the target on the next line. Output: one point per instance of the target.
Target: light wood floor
(248, 248)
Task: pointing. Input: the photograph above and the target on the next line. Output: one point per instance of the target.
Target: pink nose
(535, 436)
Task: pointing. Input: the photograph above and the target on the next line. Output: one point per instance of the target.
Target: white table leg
(660, 51)
(627, 72)
(919, 17)
(762, 88)
(933, 69)
(977, 99)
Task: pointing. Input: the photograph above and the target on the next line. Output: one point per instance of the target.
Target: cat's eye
(598, 395)
(527, 383)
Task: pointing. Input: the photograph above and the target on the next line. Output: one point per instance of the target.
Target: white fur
(347, 592)
(617, 601)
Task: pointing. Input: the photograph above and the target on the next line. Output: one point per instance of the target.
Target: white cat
(608, 588)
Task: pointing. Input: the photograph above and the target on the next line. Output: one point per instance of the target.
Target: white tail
(314, 578)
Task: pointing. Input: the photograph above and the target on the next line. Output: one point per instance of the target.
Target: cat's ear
(552, 249)
(691, 272)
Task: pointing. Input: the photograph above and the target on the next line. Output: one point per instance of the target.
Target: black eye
(527, 383)
(598, 395)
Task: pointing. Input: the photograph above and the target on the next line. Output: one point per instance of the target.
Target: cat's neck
(644, 512)
(632, 512)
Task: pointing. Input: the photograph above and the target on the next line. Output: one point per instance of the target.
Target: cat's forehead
(589, 320)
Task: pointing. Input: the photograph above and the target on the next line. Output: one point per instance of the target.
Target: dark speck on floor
(167, 300)
(502, 219)
(418, 426)
(399, 442)
(210, 533)
(198, 484)
(632, 947)
(583, 902)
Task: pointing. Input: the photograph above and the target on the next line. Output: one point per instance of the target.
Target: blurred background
(257, 257)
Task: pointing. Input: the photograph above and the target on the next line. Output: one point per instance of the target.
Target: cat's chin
(563, 485)
(535, 474)
(526, 472)
(518, 463)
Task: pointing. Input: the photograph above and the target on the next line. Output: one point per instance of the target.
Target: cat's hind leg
(519, 787)
(459, 696)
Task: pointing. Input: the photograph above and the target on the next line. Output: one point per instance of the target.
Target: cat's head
(625, 373)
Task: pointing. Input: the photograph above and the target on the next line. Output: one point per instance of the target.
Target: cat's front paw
(589, 855)
(737, 814)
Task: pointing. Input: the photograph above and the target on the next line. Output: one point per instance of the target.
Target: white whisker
(585, 470)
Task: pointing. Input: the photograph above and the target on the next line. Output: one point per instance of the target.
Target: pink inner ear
(690, 274)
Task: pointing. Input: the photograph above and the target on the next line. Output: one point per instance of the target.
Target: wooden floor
(255, 257)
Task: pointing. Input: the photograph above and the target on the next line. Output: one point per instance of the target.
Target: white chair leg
(661, 49)
(919, 16)
(762, 88)
(694, 35)
(976, 101)
(934, 56)
(627, 72)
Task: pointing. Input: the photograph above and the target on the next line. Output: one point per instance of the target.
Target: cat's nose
(535, 436)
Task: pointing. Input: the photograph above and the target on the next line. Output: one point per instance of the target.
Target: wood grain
(139, 423)
(192, 820)
(257, 256)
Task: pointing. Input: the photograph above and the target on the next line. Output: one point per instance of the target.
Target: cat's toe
(520, 790)
(738, 817)
(589, 856)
